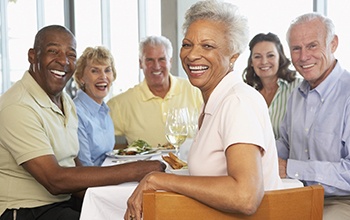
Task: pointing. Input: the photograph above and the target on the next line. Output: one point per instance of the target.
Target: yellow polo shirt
(138, 114)
(32, 126)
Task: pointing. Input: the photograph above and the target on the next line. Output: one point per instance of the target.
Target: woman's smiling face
(205, 55)
(265, 60)
(97, 79)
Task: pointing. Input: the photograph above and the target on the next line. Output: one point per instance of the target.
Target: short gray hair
(223, 12)
(156, 41)
(328, 25)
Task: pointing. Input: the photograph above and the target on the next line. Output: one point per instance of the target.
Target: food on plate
(174, 161)
(166, 146)
(136, 147)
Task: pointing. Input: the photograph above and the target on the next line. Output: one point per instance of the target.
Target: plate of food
(116, 154)
(137, 150)
(166, 148)
(176, 165)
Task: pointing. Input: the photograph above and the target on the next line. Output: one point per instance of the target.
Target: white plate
(167, 150)
(114, 154)
(183, 171)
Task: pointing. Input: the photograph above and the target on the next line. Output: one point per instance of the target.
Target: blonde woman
(94, 75)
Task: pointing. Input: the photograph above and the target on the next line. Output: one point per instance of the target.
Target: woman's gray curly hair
(223, 12)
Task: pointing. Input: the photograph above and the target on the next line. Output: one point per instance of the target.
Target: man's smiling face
(53, 61)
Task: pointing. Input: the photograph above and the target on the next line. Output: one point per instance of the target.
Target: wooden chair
(305, 203)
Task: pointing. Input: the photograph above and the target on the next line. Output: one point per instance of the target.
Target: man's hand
(282, 165)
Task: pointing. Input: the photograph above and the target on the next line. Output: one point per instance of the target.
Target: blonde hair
(100, 55)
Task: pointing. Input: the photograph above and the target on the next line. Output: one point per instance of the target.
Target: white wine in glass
(176, 128)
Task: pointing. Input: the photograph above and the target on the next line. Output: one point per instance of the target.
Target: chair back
(286, 204)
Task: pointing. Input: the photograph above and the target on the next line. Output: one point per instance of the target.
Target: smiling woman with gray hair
(230, 166)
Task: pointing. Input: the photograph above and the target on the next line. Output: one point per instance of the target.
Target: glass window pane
(338, 11)
(87, 24)
(54, 12)
(124, 43)
(153, 14)
(270, 16)
(21, 35)
(1, 56)
(125, 39)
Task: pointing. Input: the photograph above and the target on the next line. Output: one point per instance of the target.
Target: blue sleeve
(84, 154)
(333, 175)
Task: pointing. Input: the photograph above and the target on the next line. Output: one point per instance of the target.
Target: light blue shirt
(315, 134)
(95, 130)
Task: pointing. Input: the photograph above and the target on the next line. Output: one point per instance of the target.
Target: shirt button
(296, 174)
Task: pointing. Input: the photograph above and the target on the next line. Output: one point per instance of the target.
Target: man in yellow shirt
(140, 112)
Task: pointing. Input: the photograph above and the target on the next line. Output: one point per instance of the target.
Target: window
(21, 31)
(338, 12)
(270, 16)
(20, 35)
(130, 20)
(88, 30)
(124, 31)
(142, 18)
(124, 44)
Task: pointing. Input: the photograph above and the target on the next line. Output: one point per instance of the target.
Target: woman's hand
(134, 203)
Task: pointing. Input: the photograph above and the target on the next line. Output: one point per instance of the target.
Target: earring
(82, 86)
(231, 66)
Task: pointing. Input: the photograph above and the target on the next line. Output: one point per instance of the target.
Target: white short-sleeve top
(234, 113)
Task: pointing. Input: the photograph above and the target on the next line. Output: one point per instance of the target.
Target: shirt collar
(229, 81)
(281, 82)
(148, 95)
(325, 87)
(91, 105)
(40, 96)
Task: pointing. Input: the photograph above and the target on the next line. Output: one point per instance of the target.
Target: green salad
(136, 147)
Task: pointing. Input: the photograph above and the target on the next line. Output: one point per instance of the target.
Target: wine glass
(192, 123)
(176, 129)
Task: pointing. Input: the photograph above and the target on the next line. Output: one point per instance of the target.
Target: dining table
(109, 202)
